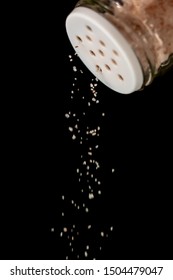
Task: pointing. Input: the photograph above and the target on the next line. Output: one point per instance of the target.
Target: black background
(40, 159)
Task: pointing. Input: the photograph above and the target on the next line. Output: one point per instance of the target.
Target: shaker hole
(79, 38)
(120, 77)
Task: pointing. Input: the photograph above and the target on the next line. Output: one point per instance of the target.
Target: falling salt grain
(77, 170)
(111, 228)
(86, 210)
(102, 234)
(74, 68)
(99, 192)
(74, 137)
(91, 196)
(61, 234)
(65, 229)
(89, 226)
(52, 229)
(70, 128)
(113, 170)
(63, 197)
(67, 116)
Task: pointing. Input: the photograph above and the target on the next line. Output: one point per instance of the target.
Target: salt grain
(91, 196)
(65, 229)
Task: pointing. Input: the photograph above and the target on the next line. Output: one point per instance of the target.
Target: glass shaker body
(147, 28)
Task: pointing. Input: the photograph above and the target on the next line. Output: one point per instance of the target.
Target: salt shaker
(124, 43)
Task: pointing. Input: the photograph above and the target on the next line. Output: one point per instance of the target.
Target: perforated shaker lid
(104, 51)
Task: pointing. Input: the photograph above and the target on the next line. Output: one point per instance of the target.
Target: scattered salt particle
(79, 179)
(70, 128)
(72, 249)
(77, 233)
(87, 247)
(95, 179)
(91, 161)
(74, 68)
(75, 79)
(103, 114)
(99, 183)
(61, 234)
(100, 248)
(65, 229)
(70, 56)
(92, 175)
(102, 234)
(72, 91)
(80, 142)
(84, 113)
(77, 256)
(91, 85)
(91, 196)
(78, 131)
(89, 153)
(87, 167)
(83, 204)
(73, 84)
(77, 170)
(67, 258)
(62, 214)
(72, 238)
(81, 71)
(113, 170)
(94, 133)
(67, 116)
(93, 99)
(70, 244)
(86, 254)
(81, 156)
(96, 146)
(63, 197)
(72, 202)
(89, 226)
(107, 235)
(82, 190)
(86, 210)
(74, 115)
(74, 226)
(111, 228)
(99, 192)
(98, 128)
(52, 229)
(89, 103)
(97, 101)
(76, 126)
(83, 97)
(78, 207)
(80, 174)
(96, 79)
(74, 137)
(87, 173)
